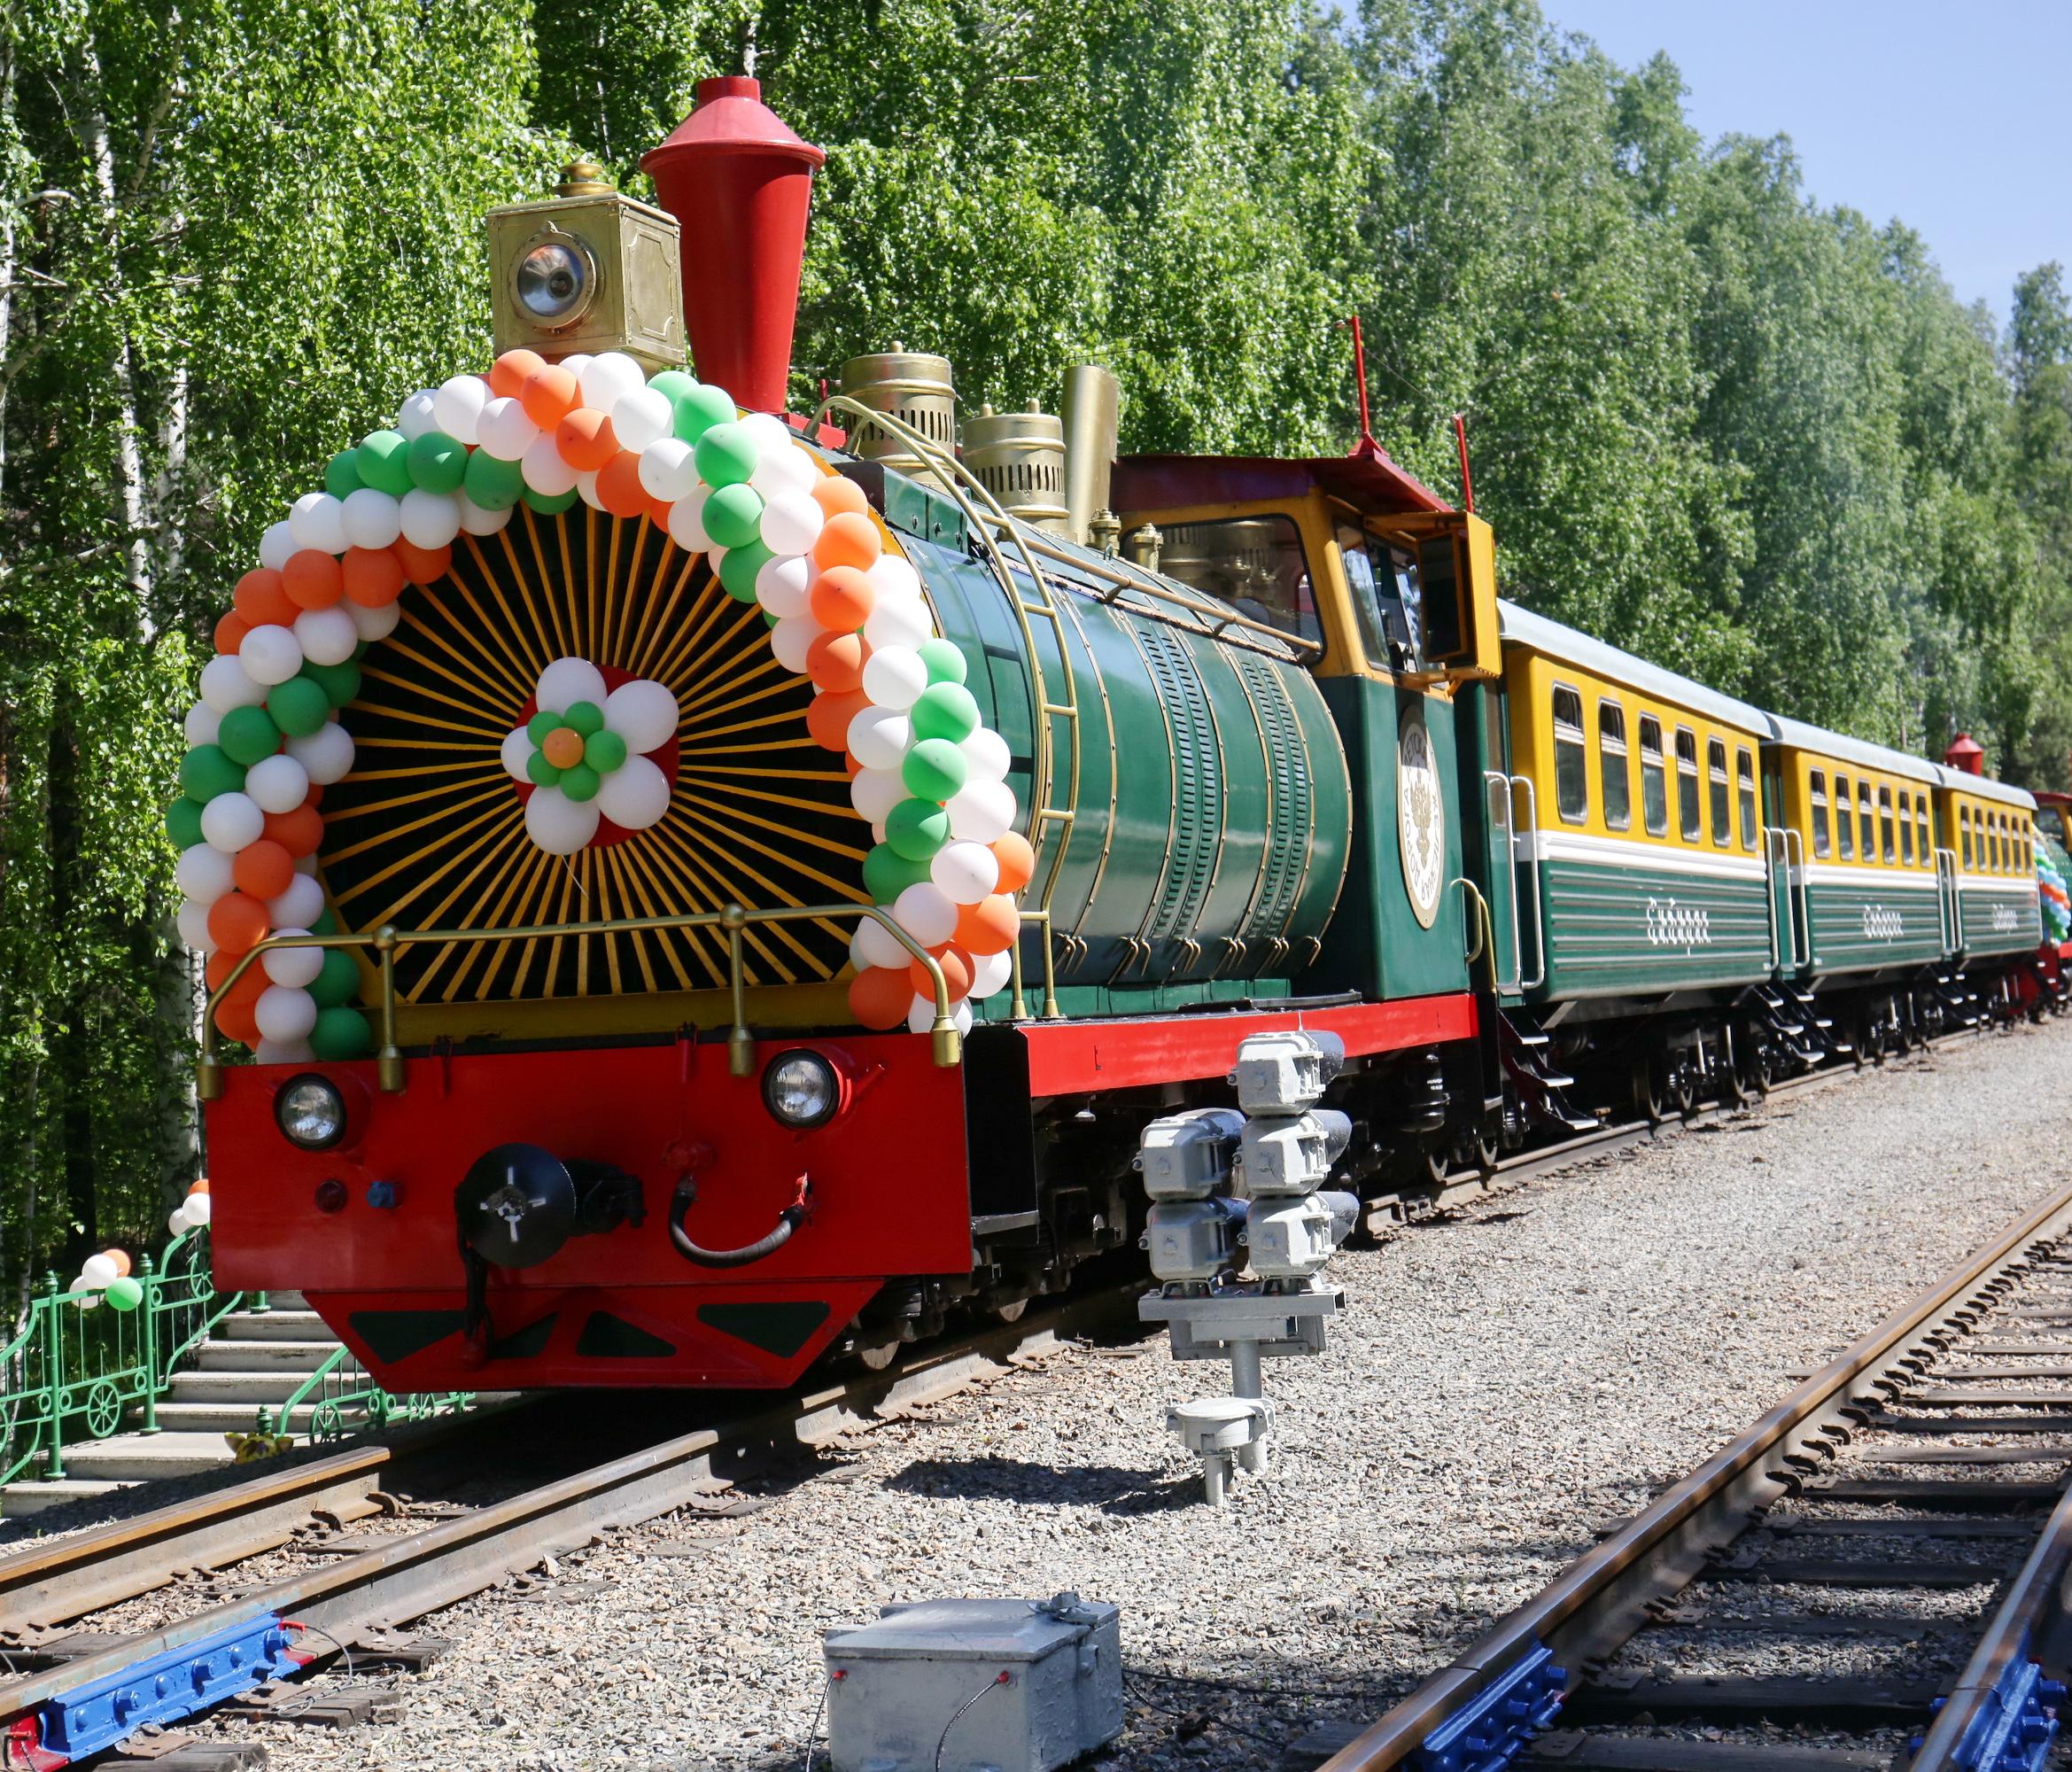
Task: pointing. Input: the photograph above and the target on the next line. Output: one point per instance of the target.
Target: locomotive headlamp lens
(310, 1112)
(554, 281)
(800, 1089)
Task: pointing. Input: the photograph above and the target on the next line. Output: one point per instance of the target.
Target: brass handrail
(1017, 1006)
(741, 1043)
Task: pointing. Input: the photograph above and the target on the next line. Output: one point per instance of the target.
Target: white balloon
(607, 378)
(377, 622)
(299, 907)
(98, 1271)
(479, 519)
(643, 713)
(982, 812)
(893, 576)
(874, 945)
(586, 489)
(633, 796)
(192, 920)
(967, 872)
(457, 407)
(283, 1052)
(568, 680)
(791, 521)
(276, 545)
(877, 830)
(203, 723)
(667, 470)
(791, 637)
(990, 973)
(920, 1018)
(784, 470)
(419, 413)
(294, 966)
(504, 430)
(227, 684)
(575, 364)
(642, 416)
(878, 737)
(279, 784)
(371, 518)
(557, 824)
(430, 519)
(271, 654)
(316, 520)
(231, 822)
(545, 470)
(197, 1209)
(204, 874)
(926, 912)
(770, 432)
(874, 792)
(895, 677)
(327, 636)
(782, 584)
(516, 752)
(895, 622)
(326, 753)
(687, 522)
(284, 1012)
(178, 1223)
(986, 756)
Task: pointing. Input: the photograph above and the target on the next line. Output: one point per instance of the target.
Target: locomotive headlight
(310, 1112)
(801, 1090)
(555, 282)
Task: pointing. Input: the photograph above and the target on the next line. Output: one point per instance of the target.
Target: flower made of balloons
(584, 754)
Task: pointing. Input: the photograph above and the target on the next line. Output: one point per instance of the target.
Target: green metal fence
(343, 1399)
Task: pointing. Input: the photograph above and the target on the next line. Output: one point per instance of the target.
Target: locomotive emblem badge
(1420, 816)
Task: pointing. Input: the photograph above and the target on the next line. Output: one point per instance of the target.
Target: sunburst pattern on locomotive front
(428, 830)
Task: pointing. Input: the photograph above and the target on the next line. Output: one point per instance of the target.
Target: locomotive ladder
(1051, 819)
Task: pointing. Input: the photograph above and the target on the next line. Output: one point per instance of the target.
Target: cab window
(1865, 829)
(1921, 827)
(2000, 842)
(1690, 817)
(1571, 777)
(1844, 820)
(1964, 835)
(1886, 847)
(1254, 564)
(1613, 771)
(1387, 599)
(1907, 829)
(1716, 770)
(1654, 777)
(1744, 785)
(1816, 795)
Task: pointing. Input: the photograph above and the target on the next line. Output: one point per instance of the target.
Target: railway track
(1867, 1577)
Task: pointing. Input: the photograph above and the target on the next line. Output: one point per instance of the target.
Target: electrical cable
(813, 1728)
(941, 1740)
(318, 1630)
(1209, 1722)
(1247, 1686)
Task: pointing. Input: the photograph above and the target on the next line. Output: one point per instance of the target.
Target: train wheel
(1650, 1091)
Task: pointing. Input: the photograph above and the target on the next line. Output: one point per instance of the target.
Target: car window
(1654, 777)
(1571, 773)
(1614, 771)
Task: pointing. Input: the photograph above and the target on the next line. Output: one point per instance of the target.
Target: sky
(1956, 121)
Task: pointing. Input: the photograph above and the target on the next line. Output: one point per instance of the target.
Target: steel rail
(1595, 1579)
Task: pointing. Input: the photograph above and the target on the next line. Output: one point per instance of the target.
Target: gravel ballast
(1498, 1386)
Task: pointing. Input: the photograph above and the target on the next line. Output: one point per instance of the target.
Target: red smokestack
(739, 184)
(1966, 753)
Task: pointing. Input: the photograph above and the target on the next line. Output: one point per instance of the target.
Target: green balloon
(299, 706)
(340, 683)
(550, 504)
(123, 1293)
(208, 770)
(887, 873)
(738, 567)
(945, 711)
(585, 718)
(769, 620)
(733, 515)
(698, 407)
(934, 770)
(727, 455)
(341, 474)
(326, 924)
(541, 725)
(247, 734)
(383, 460)
(673, 384)
(338, 982)
(946, 663)
(491, 484)
(604, 751)
(579, 781)
(183, 822)
(544, 773)
(340, 1032)
(917, 828)
(437, 463)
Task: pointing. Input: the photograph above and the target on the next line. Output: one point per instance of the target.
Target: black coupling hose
(779, 1235)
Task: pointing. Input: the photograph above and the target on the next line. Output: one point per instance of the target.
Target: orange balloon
(250, 982)
(828, 717)
(373, 576)
(299, 832)
(508, 374)
(585, 440)
(956, 966)
(850, 766)
(619, 485)
(200, 1184)
(880, 996)
(1017, 860)
(657, 513)
(835, 495)
(989, 926)
(237, 1022)
(835, 661)
(564, 747)
(230, 630)
(313, 578)
(314, 797)
(548, 395)
(851, 539)
(236, 921)
(423, 565)
(841, 599)
(121, 1257)
(263, 869)
(262, 599)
